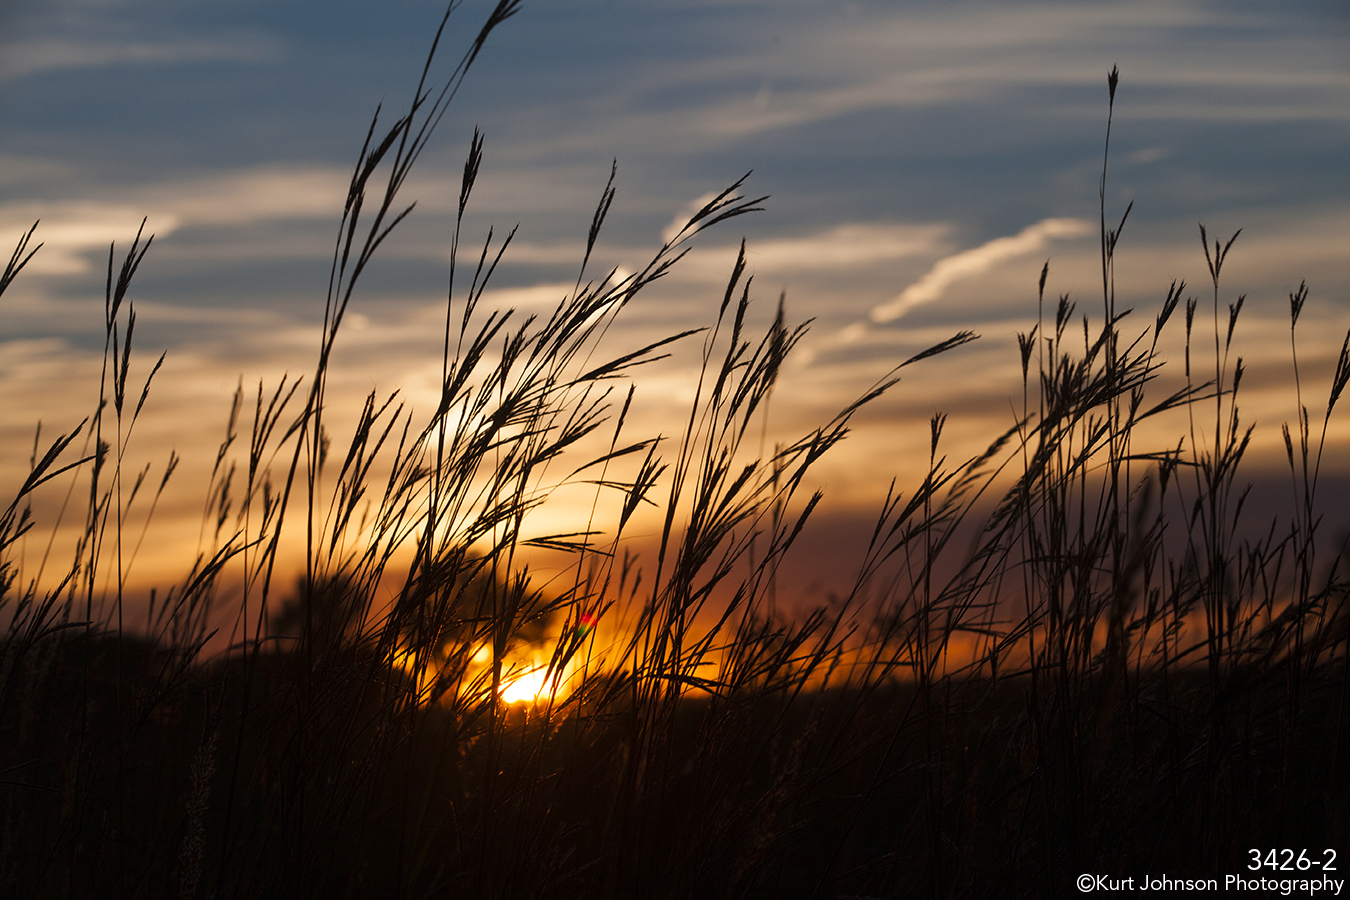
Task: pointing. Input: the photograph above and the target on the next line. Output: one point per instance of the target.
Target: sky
(923, 160)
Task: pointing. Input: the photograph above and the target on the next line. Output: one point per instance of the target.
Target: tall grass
(1066, 654)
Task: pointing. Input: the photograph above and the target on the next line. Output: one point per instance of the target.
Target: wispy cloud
(686, 212)
(852, 244)
(919, 56)
(28, 57)
(69, 230)
(970, 263)
(256, 194)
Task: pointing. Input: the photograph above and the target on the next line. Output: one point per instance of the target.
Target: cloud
(1148, 155)
(70, 230)
(852, 244)
(33, 56)
(860, 252)
(671, 231)
(1029, 56)
(969, 263)
(257, 194)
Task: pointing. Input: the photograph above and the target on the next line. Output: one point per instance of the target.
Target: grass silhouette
(1064, 655)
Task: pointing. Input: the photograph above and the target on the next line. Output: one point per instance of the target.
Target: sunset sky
(923, 160)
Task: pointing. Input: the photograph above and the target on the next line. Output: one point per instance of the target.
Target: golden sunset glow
(528, 686)
(735, 449)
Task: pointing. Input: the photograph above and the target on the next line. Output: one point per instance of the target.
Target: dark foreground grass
(1066, 655)
(829, 796)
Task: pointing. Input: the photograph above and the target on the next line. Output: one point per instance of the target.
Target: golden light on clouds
(974, 262)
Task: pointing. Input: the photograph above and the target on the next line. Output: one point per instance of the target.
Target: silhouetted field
(1068, 654)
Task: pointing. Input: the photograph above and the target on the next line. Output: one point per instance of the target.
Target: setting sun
(529, 686)
(891, 522)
